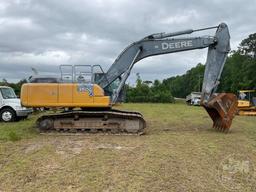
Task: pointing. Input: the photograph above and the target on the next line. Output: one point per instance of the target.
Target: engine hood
(15, 102)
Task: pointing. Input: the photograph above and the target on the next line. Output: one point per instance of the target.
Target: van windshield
(8, 93)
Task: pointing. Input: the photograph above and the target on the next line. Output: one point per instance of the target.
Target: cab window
(8, 93)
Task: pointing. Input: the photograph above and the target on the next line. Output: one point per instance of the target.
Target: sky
(44, 34)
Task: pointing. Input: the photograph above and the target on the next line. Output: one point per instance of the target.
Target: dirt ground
(179, 152)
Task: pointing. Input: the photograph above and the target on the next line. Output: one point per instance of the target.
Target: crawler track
(105, 121)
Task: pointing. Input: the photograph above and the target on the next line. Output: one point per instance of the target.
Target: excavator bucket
(222, 109)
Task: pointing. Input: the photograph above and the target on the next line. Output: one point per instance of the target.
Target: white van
(10, 106)
(194, 98)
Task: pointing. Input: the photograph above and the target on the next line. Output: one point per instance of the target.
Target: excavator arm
(221, 108)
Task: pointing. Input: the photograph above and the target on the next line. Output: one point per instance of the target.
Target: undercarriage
(105, 121)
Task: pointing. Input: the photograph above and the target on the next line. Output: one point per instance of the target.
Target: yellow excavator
(247, 102)
(87, 94)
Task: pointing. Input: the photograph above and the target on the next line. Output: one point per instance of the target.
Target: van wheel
(7, 115)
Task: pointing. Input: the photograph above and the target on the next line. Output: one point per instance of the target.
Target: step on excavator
(88, 94)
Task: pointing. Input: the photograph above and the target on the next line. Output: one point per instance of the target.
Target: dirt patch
(33, 147)
(110, 146)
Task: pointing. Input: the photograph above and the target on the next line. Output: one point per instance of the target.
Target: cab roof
(4, 86)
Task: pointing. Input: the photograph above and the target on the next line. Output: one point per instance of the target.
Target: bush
(143, 93)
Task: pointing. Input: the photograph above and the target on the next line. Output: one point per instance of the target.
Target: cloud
(45, 34)
(180, 18)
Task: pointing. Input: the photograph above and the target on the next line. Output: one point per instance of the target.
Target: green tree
(142, 92)
(248, 46)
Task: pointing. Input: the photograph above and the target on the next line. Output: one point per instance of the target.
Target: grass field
(179, 152)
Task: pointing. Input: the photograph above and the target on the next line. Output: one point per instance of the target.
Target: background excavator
(247, 102)
(89, 93)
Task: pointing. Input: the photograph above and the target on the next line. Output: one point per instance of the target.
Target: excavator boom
(221, 108)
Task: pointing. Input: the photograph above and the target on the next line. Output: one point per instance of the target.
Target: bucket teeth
(222, 109)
